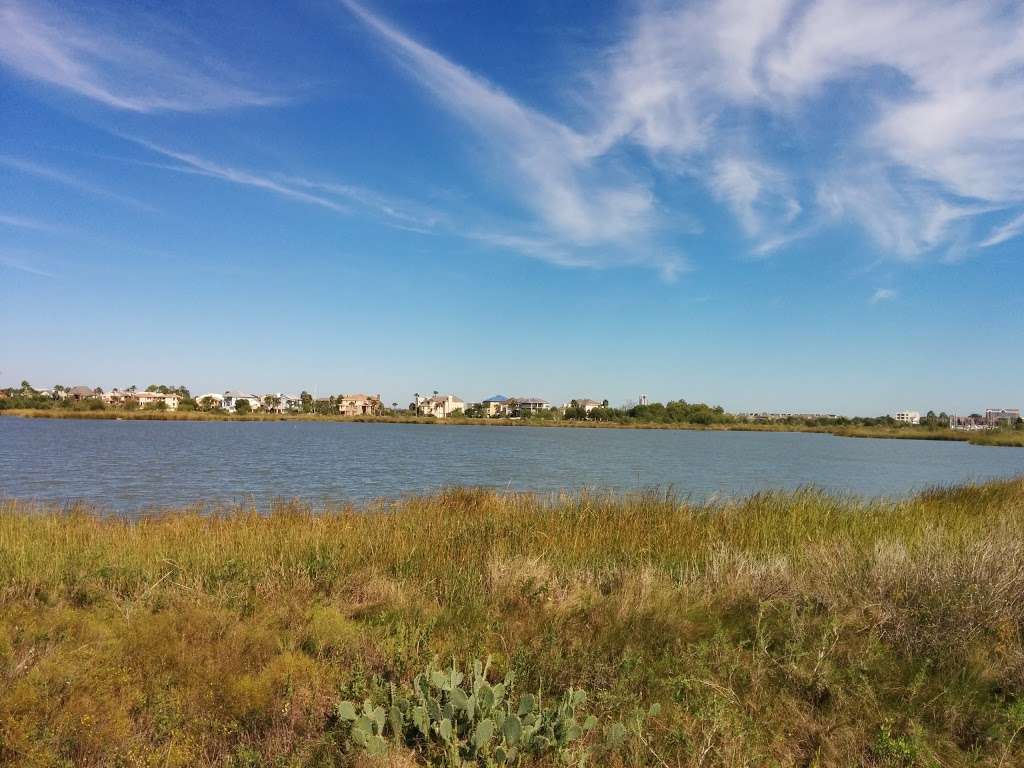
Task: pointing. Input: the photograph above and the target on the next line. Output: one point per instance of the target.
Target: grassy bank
(1013, 439)
(786, 629)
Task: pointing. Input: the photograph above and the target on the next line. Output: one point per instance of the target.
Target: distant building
(215, 400)
(908, 417)
(151, 399)
(496, 405)
(81, 393)
(116, 396)
(278, 402)
(643, 400)
(769, 417)
(439, 406)
(995, 417)
(588, 405)
(527, 405)
(359, 405)
(233, 397)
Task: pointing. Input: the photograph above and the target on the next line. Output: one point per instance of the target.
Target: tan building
(81, 393)
(122, 397)
(496, 405)
(359, 405)
(152, 399)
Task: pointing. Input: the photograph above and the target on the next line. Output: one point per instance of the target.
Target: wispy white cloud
(23, 222)
(412, 216)
(941, 139)
(882, 294)
(190, 163)
(20, 265)
(1011, 229)
(906, 221)
(65, 179)
(941, 86)
(334, 196)
(667, 264)
(581, 203)
(70, 47)
(760, 198)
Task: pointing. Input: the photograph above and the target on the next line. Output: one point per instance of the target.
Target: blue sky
(790, 205)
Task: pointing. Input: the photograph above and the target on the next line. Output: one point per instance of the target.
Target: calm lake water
(133, 465)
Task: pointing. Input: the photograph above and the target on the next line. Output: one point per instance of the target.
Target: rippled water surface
(131, 465)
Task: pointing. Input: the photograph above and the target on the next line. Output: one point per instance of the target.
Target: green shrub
(459, 718)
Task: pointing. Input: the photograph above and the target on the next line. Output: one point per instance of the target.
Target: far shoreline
(989, 438)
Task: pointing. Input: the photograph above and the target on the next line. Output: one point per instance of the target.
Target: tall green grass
(783, 629)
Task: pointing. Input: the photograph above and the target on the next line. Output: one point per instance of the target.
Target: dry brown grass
(785, 629)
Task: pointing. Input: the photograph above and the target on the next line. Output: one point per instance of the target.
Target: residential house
(527, 405)
(439, 406)
(214, 399)
(359, 405)
(496, 405)
(81, 393)
(278, 402)
(908, 417)
(154, 399)
(232, 397)
(116, 397)
(588, 405)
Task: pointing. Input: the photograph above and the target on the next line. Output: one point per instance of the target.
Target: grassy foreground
(786, 629)
(1004, 438)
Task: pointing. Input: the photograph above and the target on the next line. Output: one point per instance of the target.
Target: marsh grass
(783, 629)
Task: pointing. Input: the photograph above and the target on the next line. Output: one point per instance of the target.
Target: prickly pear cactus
(457, 718)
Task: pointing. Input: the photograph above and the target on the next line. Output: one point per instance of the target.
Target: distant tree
(271, 402)
(476, 411)
(306, 400)
(26, 387)
(242, 407)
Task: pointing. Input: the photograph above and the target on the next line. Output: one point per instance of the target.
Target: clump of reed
(779, 629)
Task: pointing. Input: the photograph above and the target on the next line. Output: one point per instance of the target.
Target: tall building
(908, 417)
(643, 399)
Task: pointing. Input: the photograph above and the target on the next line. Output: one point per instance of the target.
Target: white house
(281, 403)
(588, 405)
(232, 397)
(527, 405)
(439, 406)
(908, 417)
